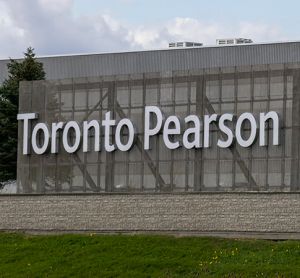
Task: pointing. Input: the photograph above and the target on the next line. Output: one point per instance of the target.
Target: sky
(57, 27)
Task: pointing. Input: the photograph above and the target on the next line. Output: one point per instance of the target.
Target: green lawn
(93, 255)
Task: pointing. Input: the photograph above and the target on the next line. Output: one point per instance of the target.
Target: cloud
(262, 32)
(56, 6)
(189, 29)
(10, 33)
(51, 28)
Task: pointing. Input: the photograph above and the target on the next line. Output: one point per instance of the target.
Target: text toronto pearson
(190, 132)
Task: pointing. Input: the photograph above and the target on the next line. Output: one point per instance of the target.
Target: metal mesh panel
(222, 90)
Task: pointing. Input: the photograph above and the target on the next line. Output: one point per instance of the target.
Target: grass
(91, 255)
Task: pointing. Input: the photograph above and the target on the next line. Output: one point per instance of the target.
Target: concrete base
(259, 215)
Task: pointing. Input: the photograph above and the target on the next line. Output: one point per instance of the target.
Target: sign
(191, 132)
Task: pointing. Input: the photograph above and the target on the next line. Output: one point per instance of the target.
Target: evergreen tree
(26, 69)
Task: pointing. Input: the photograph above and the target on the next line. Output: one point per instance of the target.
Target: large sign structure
(168, 126)
(103, 140)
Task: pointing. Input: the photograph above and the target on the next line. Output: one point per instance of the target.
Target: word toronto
(191, 132)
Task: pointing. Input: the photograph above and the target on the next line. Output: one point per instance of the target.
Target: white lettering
(26, 117)
(54, 137)
(195, 131)
(66, 137)
(225, 129)
(86, 127)
(208, 119)
(108, 124)
(131, 135)
(34, 140)
(121, 136)
(238, 130)
(263, 118)
(171, 131)
(150, 132)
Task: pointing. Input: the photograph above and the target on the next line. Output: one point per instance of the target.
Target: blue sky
(56, 27)
(284, 14)
(138, 11)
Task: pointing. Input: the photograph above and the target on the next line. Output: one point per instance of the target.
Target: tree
(27, 69)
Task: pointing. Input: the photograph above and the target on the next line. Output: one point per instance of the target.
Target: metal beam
(147, 157)
(234, 151)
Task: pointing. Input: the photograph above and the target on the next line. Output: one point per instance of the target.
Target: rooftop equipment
(233, 41)
(184, 44)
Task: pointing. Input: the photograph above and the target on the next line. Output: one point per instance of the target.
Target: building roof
(85, 65)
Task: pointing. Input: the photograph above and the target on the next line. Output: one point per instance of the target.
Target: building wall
(210, 213)
(234, 90)
(75, 66)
